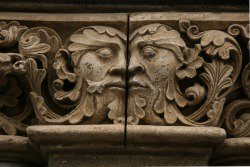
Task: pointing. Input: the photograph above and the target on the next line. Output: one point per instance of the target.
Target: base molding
(103, 145)
(17, 151)
(235, 151)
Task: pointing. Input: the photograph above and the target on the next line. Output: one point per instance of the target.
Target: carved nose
(135, 66)
(118, 70)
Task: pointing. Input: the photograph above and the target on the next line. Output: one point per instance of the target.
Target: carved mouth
(136, 84)
(118, 84)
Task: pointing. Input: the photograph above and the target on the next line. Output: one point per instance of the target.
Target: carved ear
(60, 65)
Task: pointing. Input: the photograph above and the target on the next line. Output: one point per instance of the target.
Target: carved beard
(99, 104)
(141, 105)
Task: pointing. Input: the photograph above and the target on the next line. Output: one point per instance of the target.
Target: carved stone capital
(124, 85)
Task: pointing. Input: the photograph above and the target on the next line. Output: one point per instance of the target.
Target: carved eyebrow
(144, 43)
(82, 42)
(162, 42)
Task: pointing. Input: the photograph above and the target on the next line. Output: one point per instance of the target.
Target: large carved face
(99, 63)
(99, 54)
(154, 57)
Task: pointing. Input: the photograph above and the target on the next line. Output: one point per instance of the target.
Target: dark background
(110, 6)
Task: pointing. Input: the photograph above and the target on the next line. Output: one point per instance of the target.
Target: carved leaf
(139, 104)
(73, 94)
(170, 114)
(217, 76)
(237, 118)
(90, 105)
(6, 62)
(113, 107)
(160, 104)
(35, 75)
(79, 112)
(10, 33)
(173, 93)
(192, 60)
(95, 86)
(215, 42)
(43, 113)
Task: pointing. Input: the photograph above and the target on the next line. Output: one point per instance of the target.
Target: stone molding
(97, 6)
(234, 151)
(172, 80)
(192, 145)
(17, 149)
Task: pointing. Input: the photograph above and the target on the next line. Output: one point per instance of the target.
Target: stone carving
(172, 84)
(12, 111)
(94, 61)
(86, 76)
(237, 113)
(173, 79)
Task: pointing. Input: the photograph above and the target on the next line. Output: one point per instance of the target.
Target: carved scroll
(238, 112)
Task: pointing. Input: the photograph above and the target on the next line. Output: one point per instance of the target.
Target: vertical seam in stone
(126, 82)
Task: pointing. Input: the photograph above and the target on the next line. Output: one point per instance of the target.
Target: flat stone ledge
(174, 140)
(77, 138)
(60, 134)
(175, 135)
(75, 145)
(235, 151)
(172, 145)
(17, 150)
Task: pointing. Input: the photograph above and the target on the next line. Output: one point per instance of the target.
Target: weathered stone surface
(235, 151)
(69, 75)
(102, 145)
(124, 160)
(17, 151)
(72, 140)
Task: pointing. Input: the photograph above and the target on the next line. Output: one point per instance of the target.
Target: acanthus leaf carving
(237, 122)
(10, 33)
(86, 76)
(33, 46)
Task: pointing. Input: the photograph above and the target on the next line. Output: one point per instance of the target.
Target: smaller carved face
(100, 56)
(153, 57)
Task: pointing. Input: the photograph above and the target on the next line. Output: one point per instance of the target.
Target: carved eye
(105, 52)
(148, 51)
